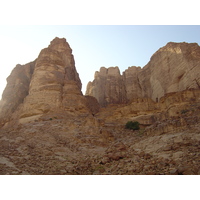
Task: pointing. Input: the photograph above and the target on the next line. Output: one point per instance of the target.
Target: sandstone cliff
(174, 67)
(48, 127)
(16, 90)
(69, 144)
(174, 112)
(108, 87)
(49, 84)
(54, 80)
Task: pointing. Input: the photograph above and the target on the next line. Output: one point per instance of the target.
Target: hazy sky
(93, 46)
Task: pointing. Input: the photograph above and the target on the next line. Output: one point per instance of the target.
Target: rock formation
(55, 83)
(16, 90)
(174, 67)
(174, 112)
(49, 84)
(48, 127)
(108, 87)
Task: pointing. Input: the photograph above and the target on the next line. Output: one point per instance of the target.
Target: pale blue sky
(93, 46)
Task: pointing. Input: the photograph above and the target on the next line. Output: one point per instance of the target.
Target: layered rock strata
(49, 84)
(16, 90)
(55, 82)
(174, 112)
(68, 133)
(174, 67)
(108, 87)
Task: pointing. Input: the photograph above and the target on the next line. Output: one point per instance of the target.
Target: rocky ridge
(174, 67)
(49, 127)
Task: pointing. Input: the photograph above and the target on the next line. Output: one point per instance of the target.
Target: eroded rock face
(50, 84)
(55, 80)
(107, 87)
(173, 113)
(73, 135)
(16, 90)
(172, 68)
(132, 84)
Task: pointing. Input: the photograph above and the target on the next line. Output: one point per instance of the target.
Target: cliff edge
(173, 68)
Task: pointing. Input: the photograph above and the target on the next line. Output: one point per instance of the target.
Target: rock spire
(49, 84)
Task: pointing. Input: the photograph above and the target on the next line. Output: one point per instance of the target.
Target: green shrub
(132, 125)
(184, 111)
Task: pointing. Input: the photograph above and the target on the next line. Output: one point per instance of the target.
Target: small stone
(173, 172)
(114, 156)
(185, 170)
(105, 160)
